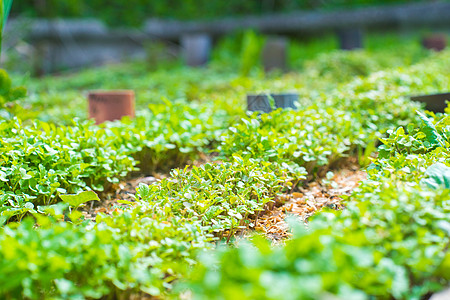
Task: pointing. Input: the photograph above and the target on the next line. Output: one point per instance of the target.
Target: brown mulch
(310, 199)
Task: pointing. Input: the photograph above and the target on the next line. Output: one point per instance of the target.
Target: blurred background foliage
(133, 12)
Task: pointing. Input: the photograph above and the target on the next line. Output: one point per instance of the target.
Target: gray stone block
(350, 38)
(261, 102)
(287, 100)
(196, 49)
(274, 54)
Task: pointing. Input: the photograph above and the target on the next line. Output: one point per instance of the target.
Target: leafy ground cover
(391, 240)
(168, 134)
(41, 161)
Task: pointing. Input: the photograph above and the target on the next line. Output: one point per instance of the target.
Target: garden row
(159, 135)
(43, 160)
(155, 241)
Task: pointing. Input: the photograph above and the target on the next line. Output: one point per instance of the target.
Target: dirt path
(310, 199)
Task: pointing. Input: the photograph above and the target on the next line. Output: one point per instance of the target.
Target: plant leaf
(433, 136)
(76, 200)
(438, 176)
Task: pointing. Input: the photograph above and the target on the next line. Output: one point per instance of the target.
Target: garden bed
(386, 238)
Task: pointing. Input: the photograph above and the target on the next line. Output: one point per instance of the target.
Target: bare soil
(310, 199)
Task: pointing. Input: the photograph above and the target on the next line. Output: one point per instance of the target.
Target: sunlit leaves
(221, 195)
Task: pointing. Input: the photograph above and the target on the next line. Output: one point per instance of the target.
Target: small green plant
(119, 256)
(408, 153)
(77, 199)
(170, 134)
(226, 197)
(39, 162)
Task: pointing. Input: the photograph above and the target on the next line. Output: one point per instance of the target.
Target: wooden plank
(417, 14)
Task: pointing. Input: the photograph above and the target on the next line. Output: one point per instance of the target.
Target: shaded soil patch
(124, 191)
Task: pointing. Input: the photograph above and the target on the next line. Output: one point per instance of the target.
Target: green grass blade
(5, 7)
